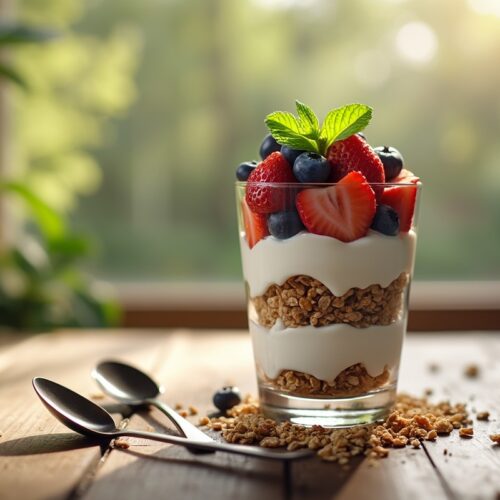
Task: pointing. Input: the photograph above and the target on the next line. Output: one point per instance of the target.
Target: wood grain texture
(41, 459)
(470, 468)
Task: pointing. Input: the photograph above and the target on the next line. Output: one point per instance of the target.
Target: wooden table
(39, 458)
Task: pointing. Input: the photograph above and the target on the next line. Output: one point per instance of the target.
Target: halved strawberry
(402, 199)
(355, 154)
(405, 177)
(267, 199)
(255, 225)
(344, 211)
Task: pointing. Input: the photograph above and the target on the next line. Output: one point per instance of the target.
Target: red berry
(402, 200)
(267, 199)
(405, 177)
(344, 211)
(355, 154)
(255, 225)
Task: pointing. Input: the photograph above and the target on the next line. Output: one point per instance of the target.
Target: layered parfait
(327, 240)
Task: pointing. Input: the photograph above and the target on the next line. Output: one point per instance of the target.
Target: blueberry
(268, 146)
(227, 397)
(392, 160)
(290, 154)
(245, 169)
(283, 225)
(311, 167)
(386, 220)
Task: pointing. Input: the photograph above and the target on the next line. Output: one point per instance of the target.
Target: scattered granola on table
(483, 415)
(412, 421)
(121, 443)
(434, 368)
(466, 432)
(495, 438)
(471, 371)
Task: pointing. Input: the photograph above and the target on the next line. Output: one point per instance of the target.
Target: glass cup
(327, 318)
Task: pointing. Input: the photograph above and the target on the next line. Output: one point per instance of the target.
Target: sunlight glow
(416, 42)
(372, 68)
(485, 6)
(285, 4)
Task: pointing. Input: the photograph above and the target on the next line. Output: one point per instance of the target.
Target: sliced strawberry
(405, 177)
(402, 199)
(355, 154)
(344, 211)
(255, 225)
(267, 199)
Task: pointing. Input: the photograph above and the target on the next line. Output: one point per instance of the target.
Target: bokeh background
(139, 112)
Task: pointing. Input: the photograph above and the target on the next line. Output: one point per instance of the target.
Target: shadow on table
(46, 443)
(172, 469)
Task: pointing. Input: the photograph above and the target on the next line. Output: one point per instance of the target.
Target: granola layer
(303, 300)
(352, 381)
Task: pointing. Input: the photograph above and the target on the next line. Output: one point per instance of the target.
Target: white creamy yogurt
(373, 259)
(327, 350)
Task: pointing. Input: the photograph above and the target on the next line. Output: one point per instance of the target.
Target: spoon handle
(216, 446)
(184, 426)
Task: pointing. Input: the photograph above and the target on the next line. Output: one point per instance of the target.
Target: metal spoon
(134, 388)
(87, 418)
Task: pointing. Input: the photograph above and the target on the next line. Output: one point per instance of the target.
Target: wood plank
(40, 458)
(193, 367)
(471, 468)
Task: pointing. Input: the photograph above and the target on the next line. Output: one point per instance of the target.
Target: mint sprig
(304, 132)
(288, 130)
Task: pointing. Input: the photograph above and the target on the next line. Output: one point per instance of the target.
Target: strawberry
(267, 199)
(406, 177)
(355, 154)
(344, 211)
(402, 199)
(255, 225)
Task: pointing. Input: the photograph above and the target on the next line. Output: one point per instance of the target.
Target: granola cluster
(411, 421)
(352, 381)
(303, 300)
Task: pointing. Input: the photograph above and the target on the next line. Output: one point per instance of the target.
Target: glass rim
(322, 184)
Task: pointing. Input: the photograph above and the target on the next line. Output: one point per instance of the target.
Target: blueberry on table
(290, 154)
(283, 225)
(386, 220)
(311, 167)
(392, 160)
(245, 169)
(227, 397)
(268, 146)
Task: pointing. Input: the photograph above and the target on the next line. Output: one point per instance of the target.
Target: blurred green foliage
(41, 286)
(66, 93)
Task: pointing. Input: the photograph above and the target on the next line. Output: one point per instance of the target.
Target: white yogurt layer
(325, 351)
(373, 259)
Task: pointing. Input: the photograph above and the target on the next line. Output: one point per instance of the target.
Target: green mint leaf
(343, 122)
(308, 120)
(288, 131)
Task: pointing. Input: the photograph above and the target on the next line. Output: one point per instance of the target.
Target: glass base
(327, 411)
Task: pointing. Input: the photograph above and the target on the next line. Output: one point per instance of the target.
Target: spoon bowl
(125, 382)
(73, 410)
(134, 387)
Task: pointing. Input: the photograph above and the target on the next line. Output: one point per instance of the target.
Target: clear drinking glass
(327, 318)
